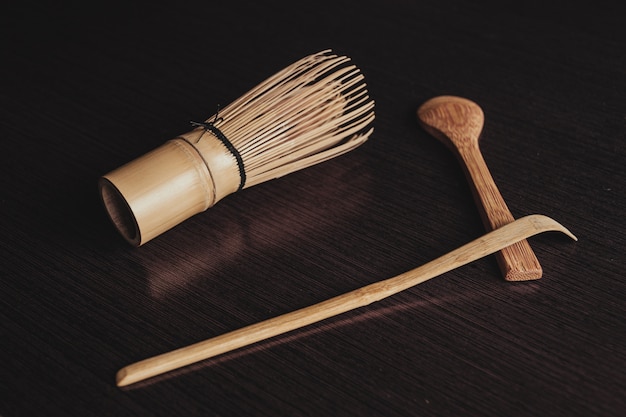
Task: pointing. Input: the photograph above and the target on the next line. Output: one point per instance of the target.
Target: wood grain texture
(85, 89)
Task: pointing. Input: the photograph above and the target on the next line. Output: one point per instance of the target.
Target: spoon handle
(518, 261)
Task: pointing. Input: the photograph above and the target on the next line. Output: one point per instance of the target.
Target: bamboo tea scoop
(483, 246)
(458, 122)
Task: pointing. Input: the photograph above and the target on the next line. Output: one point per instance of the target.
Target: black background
(87, 87)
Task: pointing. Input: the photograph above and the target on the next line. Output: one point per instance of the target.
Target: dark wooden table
(86, 88)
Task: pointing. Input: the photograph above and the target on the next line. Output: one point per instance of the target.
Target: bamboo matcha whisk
(311, 111)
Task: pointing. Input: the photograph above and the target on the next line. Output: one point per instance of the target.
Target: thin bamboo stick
(483, 246)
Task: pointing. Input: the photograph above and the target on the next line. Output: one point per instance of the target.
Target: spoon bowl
(455, 121)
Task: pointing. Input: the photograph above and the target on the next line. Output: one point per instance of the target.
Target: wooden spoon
(458, 122)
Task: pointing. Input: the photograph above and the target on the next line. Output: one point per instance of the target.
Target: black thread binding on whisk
(210, 127)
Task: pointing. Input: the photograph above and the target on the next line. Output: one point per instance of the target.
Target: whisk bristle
(311, 111)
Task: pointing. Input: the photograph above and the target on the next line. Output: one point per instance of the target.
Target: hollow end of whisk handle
(155, 192)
